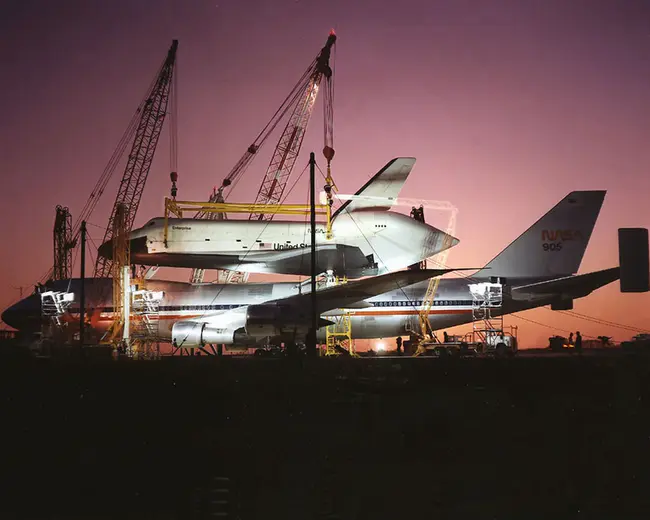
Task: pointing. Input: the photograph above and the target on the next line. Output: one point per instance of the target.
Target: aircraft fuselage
(390, 314)
(362, 243)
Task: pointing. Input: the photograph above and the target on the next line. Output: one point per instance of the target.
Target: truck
(498, 343)
(638, 343)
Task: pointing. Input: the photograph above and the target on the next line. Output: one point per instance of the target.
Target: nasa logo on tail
(552, 239)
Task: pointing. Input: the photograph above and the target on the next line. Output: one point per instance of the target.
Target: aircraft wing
(573, 286)
(349, 293)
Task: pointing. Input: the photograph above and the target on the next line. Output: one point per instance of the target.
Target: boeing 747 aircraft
(367, 239)
(539, 268)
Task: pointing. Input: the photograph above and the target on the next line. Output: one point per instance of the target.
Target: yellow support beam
(177, 207)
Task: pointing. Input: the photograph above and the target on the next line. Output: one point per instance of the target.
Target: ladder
(145, 315)
(338, 336)
(426, 331)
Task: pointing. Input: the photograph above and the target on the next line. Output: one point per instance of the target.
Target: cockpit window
(151, 222)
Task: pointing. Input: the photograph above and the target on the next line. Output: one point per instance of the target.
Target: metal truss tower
(63, 244)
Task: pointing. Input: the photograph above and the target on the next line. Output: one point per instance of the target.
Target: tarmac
(371, 438)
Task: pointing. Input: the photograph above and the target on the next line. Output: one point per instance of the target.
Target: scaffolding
(145, 317)
(54, 304)
(338, 336)
(424, 331)
(121, 273)
(487, 318)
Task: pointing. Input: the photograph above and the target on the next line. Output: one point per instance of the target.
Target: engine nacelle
(190, 334)
(562, 305)
(269, 320)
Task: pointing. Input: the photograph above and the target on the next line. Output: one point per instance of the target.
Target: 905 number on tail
(552, 246)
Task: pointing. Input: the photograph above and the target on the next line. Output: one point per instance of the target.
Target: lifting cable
(223, 286)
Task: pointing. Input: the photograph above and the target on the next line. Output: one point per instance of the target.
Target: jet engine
(244, 326)
(565, 304)
(197, 334)
(270, 320)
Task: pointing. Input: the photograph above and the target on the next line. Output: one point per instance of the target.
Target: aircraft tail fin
(554, 245)
(380, 192)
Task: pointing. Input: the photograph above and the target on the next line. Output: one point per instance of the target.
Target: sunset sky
(517, 102)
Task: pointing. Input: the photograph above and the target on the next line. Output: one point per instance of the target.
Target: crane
(300, 104)
(147, 121)
(152, 117)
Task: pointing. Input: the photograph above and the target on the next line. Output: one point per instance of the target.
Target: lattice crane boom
(152, 117)
(63, 244)
(300, 103)
(288, 147)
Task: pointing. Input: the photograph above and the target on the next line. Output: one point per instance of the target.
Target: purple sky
(521, 101)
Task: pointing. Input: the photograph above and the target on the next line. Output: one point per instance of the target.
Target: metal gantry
(54, 305)
(178, 207)
(145, 315)
(487, 300)
(338, 336)
(121, 274)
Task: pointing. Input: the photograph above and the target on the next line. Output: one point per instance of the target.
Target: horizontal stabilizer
(634, 259)
(569, 287)
(380, 192)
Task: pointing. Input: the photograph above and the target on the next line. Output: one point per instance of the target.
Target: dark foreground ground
(556, 437)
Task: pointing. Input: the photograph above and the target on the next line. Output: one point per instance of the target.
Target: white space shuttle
(539, 269)
(367, 238)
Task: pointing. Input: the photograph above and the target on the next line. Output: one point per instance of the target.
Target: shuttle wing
(349, 293)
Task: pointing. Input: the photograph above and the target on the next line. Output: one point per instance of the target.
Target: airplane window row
(197, 307)
(417, 303)
(181, 308)
(402, 303)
